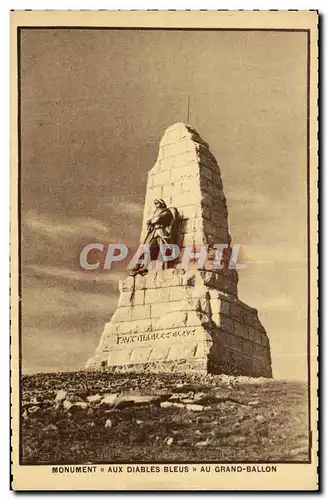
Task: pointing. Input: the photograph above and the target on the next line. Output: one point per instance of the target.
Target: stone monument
(174, 318)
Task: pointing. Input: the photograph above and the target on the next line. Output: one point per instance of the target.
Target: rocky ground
(85, 417)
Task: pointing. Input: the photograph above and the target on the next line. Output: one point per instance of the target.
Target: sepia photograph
(164, 250)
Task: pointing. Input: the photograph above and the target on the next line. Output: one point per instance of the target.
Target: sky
(94, 106)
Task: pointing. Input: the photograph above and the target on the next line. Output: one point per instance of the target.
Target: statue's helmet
(159, 202)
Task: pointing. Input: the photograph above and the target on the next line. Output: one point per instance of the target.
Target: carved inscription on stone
(146, 337)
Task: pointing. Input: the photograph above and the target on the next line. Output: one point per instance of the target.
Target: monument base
(177, 320)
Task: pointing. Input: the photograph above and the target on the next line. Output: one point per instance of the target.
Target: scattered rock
(50, 428)
(137, 399)
(81, 404)
(94, 399)
(168, 404)
(67, 405)
(260, 418)
(33, 409)
(181, 395)
(203, 443)
(109, 399)
(194, 407)
(236, 438)
(265, 419)
(61, 395)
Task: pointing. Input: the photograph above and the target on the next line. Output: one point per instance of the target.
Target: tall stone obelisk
(179, 319)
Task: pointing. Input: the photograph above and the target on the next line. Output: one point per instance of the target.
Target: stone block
(212, 279)
(234, 343)
(230, 288)
(140, 354)
(173, 319)
(194, 238)
(177, 293)
(236, 312)
(220, 206)
(152, 193)
(206, 172)
(205, 213)
(215, 306)
(161, 309)
(140, 312)
(185, 159)
(248, 348)
(161, 178)
(197, 291)
(150, 280)
(119, 357)
(203, 349)
(167, 190)
(221, 236)
(185, 199)
(170, 277)
(129, 298)
(225, 308)
(159, 353)
(121, 314)
(166, 164)
(220, 338)
(190, 186)
(223, 322)
(265, 341)
(239, 329)
(250, 317)
(198, 318)
(217, 181)
(141, 325)
(219, 218)
(126, 285)
(260, 351)
(184, 170)
(182, 351)
(253, 334)
(213, 229)
(160, 155)
(178, 148)
(193, 225)
(219, 306)
(207, 186)
(157, 295)
(189, 211)
(207, 200)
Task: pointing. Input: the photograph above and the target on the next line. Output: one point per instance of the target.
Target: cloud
(71, 275)
(254, 200)
(273, 254)
(76, 227)
(60, 304)
(130, 208)
(279, 303)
